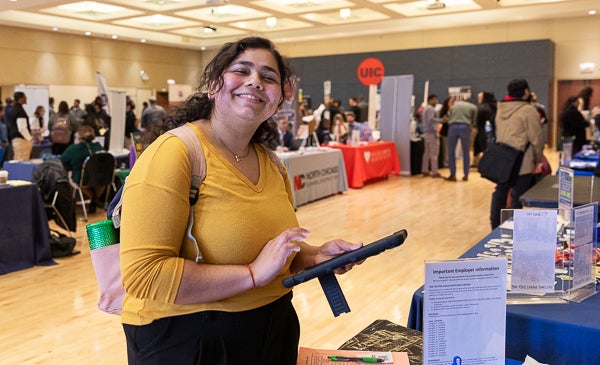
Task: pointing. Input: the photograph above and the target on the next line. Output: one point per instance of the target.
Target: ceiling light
(91, 7)
(592, 12)
(587, 67)
(345, 13)
(271, 22)
(435, 4)
(170, 82)
(88, 33)
(203, 48)
(114, 36)
(216, 2)
(143, 40)
(55, 29)
(209, 29)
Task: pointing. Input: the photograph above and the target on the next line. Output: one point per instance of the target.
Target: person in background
(38, 124)
(463, 116)
(354, 108)
(103, 119)
(285, 136)
(8, 107)
(92, 117)
(364, 109)
(429, 128)
(518, 126)
(62, 125)
(584, 97)
(339, 128)
(50, 109)
(354, 125)
(154, 113)
(486, 112)
(3, 135)
(230, 307)
(19, 130)
(443, 114)
(75, 155)
(541, 109)
(573, 124)
(131, 122)
(323, 132)
(77, 112)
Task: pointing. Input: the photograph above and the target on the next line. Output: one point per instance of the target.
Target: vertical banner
(103, 91)
(425, 93)
(326, 91)
(117, 124)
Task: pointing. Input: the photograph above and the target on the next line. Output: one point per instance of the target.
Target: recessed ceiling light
(114, 36)
(345, 13)
(55, 29)
(592, 12)
(88, 33)
(271, 22)
(143, 40)
(203, 48)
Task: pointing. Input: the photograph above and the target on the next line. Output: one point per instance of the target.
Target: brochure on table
(464, 314)
(566, 178)
(550, 259)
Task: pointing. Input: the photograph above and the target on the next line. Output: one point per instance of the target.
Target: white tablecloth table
(315, 174)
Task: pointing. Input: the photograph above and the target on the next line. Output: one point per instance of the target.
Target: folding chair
(62, 200)
(98, 171)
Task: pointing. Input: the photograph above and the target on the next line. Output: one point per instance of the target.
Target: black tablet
(327, 267)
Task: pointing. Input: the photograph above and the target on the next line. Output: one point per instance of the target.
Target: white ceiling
(181, 23)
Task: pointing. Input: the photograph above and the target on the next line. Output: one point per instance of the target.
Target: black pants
(266, 335)
(500, 195)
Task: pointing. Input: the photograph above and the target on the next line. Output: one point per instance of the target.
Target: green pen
(369, 360)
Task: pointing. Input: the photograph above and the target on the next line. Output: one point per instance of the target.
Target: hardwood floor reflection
(48, 315)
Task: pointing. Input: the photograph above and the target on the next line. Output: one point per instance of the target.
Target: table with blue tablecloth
(584, 163)
(550, 333)
(24, 231)
(21, 170)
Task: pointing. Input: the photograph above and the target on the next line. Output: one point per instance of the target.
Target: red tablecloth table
(370, 161)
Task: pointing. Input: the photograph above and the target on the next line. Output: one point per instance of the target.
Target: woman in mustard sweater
(230, 307)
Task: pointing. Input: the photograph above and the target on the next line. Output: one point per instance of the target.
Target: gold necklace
(238, 157)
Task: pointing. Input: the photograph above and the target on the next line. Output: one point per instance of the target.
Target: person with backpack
(229, 306)
(62, 126)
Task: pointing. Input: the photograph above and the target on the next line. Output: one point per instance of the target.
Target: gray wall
(483, 67)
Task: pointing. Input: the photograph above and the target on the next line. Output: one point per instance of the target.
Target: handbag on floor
(501, 163)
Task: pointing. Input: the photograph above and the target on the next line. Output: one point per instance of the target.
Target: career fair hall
(457, 141)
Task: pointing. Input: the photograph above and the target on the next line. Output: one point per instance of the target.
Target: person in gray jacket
(517, 125)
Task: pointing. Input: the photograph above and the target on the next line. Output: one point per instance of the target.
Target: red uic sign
(370, 71)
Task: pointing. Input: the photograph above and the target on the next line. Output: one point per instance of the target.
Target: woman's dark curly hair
(200, 106)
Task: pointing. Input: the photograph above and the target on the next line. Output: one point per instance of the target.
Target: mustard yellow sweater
(234, 219)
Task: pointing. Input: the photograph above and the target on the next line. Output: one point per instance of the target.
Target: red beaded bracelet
(251, 276)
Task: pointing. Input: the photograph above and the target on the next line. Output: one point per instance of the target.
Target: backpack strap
(277, 161)
(198, 164)
(188, 136)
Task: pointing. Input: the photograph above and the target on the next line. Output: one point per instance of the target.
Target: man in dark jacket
(19, 131)
(517, 125)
